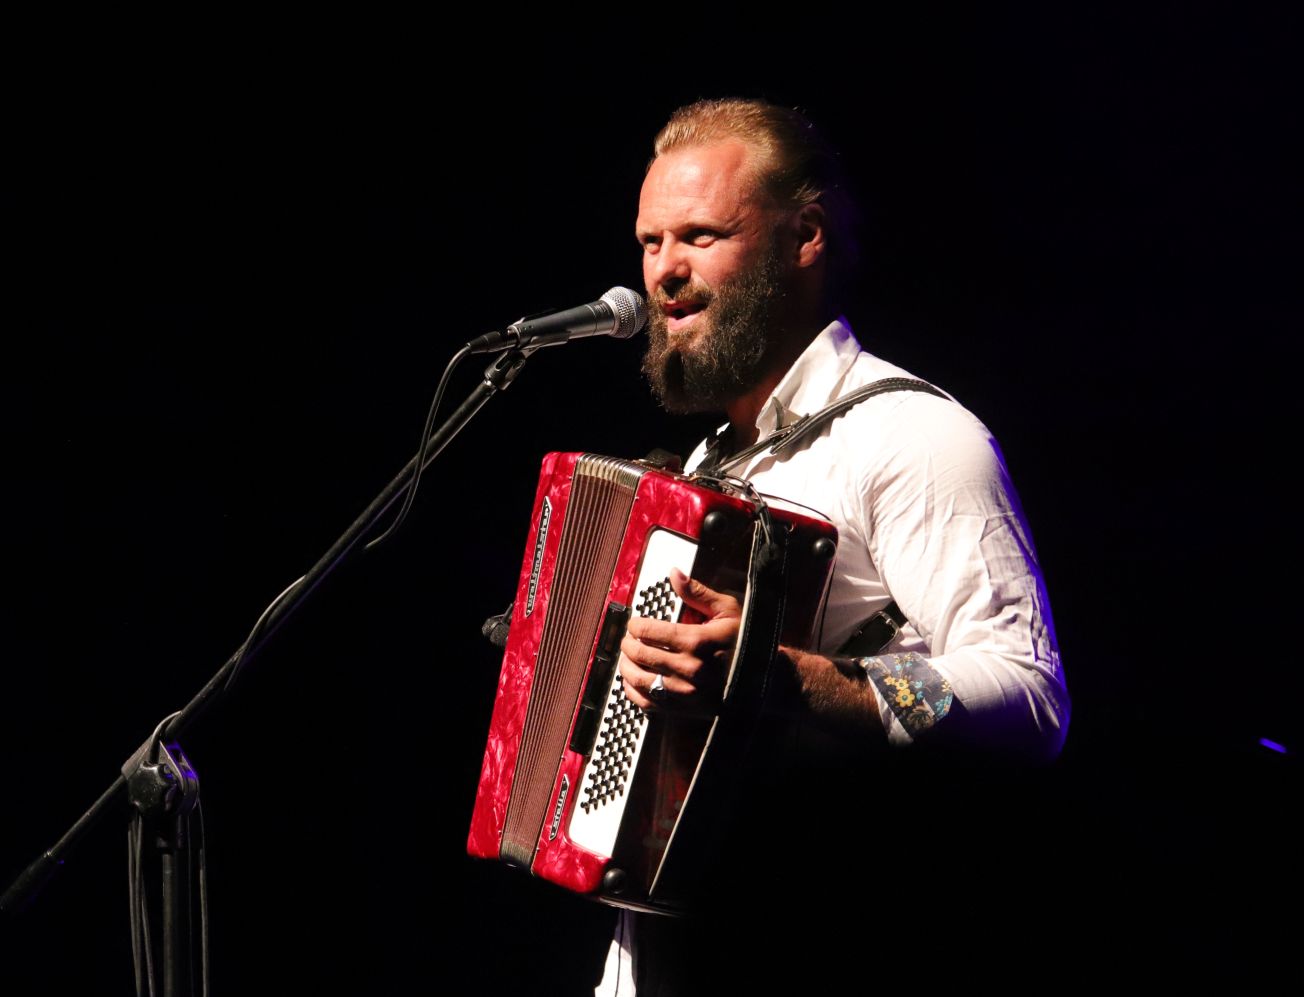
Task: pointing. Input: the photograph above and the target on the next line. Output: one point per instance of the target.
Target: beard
(730, 347)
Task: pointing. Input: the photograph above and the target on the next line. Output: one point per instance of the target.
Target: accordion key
(578, 785)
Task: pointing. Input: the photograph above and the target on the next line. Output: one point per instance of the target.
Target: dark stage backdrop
(235, 275)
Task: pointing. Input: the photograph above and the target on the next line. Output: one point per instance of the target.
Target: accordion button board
(620, 742)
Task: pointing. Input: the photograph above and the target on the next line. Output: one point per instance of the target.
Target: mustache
(692, 295)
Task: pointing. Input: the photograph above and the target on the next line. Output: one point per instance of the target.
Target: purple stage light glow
(1273, 745)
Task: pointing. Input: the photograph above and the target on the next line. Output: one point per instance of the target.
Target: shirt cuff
(912, 694)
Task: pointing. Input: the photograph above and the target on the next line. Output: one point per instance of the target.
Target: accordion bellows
(578, 785)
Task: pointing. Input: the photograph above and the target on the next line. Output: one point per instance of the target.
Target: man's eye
(651, 245)
(703, 237)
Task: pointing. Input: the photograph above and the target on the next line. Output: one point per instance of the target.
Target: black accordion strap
(762, 622)
(752, 684)
(789, 438)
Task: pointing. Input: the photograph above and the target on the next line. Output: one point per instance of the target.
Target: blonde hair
(797, 166)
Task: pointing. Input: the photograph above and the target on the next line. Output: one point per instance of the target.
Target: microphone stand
(159, 783)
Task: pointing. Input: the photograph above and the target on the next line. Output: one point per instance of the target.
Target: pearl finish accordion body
(578, 785)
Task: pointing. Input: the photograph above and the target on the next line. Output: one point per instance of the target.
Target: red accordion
(578, 785)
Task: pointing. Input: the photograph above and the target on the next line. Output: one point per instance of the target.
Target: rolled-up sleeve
(949, 538)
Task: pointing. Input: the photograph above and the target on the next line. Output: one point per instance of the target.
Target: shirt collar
(812, 381)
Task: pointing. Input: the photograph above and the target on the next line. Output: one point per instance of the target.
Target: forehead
(706, 182)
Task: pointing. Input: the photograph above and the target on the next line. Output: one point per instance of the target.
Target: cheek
(721, 270)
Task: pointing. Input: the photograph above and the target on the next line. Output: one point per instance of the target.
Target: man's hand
(689, 658)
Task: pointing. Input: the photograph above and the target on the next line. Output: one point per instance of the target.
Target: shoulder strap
(880, 629)
(790, 437)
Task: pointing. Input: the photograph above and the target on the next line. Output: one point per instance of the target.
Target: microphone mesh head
(631, 312)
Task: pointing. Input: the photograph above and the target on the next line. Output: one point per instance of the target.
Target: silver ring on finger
(657, 690)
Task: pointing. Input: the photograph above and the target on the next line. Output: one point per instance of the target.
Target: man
(746, 237)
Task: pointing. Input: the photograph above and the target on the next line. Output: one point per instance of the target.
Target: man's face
(714, 273)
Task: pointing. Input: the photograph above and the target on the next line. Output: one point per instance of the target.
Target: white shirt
(926, 516)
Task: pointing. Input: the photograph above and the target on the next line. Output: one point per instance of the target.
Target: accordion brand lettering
(559, 809)
(545, 515)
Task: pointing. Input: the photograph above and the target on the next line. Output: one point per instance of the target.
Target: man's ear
(810, 235)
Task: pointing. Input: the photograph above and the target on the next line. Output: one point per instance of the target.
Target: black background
(238, 262)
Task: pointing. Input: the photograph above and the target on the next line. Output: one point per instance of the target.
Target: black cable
(620, 948)
(426, 433)
(132, 902)
(203, 895)
(142, 954)
(252, 639)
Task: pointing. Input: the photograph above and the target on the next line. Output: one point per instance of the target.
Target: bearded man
(746, 237)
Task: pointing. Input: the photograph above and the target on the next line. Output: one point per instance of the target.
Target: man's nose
(668, 269)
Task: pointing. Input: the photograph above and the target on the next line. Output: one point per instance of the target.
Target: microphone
(619, 313)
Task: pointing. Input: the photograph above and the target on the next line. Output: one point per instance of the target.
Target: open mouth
(680, 314)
